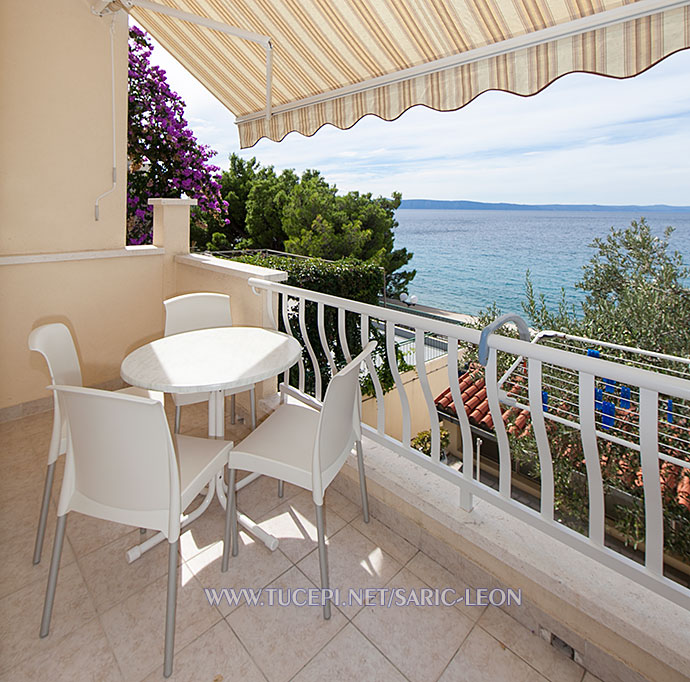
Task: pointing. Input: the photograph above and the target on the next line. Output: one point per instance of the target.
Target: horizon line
(461, 203)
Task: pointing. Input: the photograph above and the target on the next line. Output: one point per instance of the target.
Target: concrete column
(171, 232)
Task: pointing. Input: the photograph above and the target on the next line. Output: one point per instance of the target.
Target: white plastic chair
(201, 311)
(306, 448)
(122, 466)
(55, 343)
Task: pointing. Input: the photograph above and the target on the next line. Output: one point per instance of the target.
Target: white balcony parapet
(229, 267)
(60, 256)
(297, 304)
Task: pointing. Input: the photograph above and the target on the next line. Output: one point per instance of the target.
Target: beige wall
(106, 318)
(57, 263)
(437, 372)
(56, 127)
(56, 158)
(227, 278)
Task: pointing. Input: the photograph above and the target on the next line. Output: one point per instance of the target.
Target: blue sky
(585, 139)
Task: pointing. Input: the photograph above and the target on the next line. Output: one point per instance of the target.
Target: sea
(468, 259)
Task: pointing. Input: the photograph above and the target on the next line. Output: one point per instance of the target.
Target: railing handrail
(452, 329)
(550, 333)
(650, 384)
(675, 386)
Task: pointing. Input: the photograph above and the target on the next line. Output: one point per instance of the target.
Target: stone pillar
(171, 232)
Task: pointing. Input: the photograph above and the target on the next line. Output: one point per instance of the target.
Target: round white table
(211, 360)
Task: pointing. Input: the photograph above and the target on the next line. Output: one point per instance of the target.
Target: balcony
(108, 623)
(586, 613)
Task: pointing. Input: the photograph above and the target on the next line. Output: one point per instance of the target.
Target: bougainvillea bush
(164, 157)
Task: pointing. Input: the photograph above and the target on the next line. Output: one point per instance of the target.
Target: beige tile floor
(109, 615)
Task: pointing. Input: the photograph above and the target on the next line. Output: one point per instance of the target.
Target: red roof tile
(473, 391)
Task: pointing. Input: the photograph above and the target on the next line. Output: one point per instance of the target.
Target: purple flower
(162, 149)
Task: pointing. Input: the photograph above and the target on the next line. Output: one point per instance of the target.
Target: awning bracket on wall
(104, 7)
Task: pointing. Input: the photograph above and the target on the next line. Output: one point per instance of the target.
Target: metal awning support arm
(103, 7)
(269, 77)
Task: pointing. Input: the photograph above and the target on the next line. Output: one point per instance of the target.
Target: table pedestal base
(259, 533)
(216, 429)
(135, 552)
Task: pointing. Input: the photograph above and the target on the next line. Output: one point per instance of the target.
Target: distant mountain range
(481, 206)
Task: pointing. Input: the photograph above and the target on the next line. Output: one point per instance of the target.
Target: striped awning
(295, 65)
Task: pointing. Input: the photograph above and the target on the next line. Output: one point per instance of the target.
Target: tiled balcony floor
(108, 619)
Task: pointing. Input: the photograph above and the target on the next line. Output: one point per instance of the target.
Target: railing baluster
(269, 298)
(589, 445)
(646, 386)
(393, 365)
(420, 363)
(342, 335)
(654, 511)
(310, 350)
(465, 430)
(536, 409)
(378, 391)
(322, 335)
(288, 329)
(491, 381)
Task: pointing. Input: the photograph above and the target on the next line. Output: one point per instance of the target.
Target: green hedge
(347, 278)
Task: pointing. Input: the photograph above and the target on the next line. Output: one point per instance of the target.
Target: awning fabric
(335, 61)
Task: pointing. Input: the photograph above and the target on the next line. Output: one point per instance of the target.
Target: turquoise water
(465, 260)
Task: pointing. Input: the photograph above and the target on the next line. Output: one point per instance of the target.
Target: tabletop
(210, 359)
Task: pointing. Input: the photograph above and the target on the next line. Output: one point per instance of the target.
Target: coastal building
(585, 613)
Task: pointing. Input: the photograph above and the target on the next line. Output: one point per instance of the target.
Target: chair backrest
(120, 463)
(196, 311)
(54, 342)
(339, 423)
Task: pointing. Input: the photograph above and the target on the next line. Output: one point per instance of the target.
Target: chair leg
(232, 492)
(53, 575)
(323, 559)
(171, 605)
(230, 537)
(252, 406)
(177, 418)
(281, 488)
(232, 408)
(362, 482)
(43, 518)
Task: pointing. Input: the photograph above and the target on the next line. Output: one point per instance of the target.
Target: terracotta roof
(473, 392)
(674, 481)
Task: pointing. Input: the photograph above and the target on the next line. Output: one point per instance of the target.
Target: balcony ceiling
(335, 61)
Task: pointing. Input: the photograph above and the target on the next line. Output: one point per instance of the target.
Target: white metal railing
(296, 304)
(434, 347)
(560, 393)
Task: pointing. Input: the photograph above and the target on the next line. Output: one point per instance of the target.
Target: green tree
(265, 206)
(635, 294)
(319, 222)
(236, 183)
(305, 215)
(317, 225)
